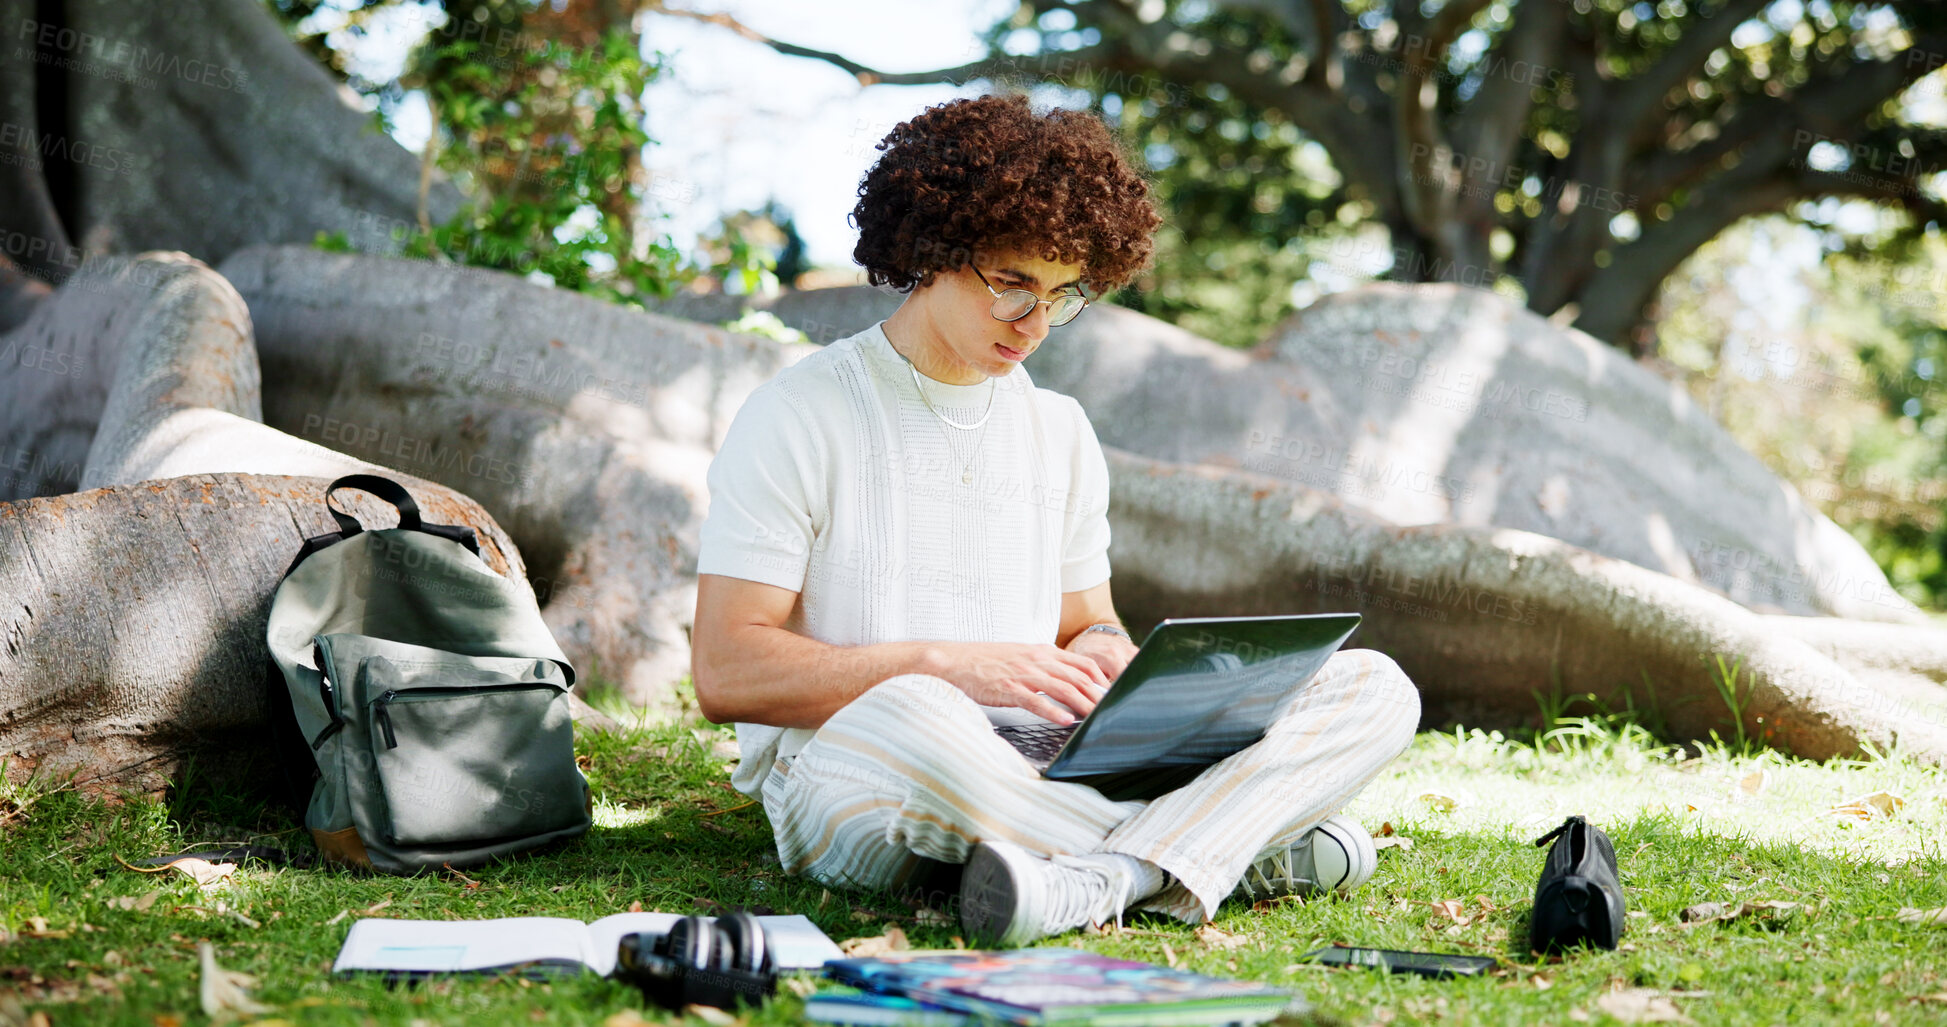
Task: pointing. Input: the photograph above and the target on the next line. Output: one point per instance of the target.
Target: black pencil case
(1580, 896)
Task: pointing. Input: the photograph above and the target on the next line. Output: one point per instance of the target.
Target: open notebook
(543, 943)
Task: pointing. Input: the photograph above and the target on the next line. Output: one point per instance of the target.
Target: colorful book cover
(842, 1005)
(1059, 986)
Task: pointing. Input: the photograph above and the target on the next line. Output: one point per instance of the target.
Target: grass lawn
(86, 941)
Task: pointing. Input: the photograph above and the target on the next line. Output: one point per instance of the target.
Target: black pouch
(1580, 897)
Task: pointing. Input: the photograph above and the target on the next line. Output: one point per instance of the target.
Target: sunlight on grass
(613, 815)
(88, 941)
(1510, 789)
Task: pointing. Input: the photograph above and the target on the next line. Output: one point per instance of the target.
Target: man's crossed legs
(912, 770)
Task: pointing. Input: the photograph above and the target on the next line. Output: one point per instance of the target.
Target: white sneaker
(1337, 855)
(1013, 896)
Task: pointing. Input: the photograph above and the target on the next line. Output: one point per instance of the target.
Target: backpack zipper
(391, 695)
(1552, 835)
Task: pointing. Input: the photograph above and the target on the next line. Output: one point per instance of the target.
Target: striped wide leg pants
(912, 770)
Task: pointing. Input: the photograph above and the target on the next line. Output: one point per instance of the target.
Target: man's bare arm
(747, 667)
(1079, 610)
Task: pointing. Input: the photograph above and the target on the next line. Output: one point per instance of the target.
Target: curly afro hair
(989, 175)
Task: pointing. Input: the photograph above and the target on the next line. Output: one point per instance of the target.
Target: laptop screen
(1201, 689)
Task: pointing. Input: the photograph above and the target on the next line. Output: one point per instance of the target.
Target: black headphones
(700, 961)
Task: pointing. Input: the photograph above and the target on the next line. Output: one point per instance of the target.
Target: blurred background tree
(1574, 152)
(1833, 383)
(537, 115)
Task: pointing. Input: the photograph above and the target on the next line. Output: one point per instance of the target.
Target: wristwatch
(1104, 627)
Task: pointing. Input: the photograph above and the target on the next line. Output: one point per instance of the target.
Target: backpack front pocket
(467, 753)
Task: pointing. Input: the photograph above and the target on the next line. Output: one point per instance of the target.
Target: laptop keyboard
(1038, 742)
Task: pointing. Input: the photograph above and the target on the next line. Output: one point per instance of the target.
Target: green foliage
(1831, 376)
(766, 324)
(544, 139)
(331, 242)
(546, 180)
(1735, 700)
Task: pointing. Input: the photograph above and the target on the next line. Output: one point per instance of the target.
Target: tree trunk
(132, 629)
(135, 125)
(132, 616)
(1484, 619)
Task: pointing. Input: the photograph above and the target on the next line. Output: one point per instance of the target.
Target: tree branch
(1280, 11)
(1416, 132)
(1612, 305)
(1834, 108)
(1328, 26)
(1642, 98)
(1490, 126)
(1560, 248)
(984, 68)
(1887, 186)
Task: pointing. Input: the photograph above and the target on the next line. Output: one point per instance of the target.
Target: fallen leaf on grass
(894, 940)
(1869, 807)
(1702, 912)
(1456, 911)
(625, 1018)
(1754, 782)
(11, 1012)
(207, 875)
(1220, 939)
(37, 928)
(1641, 1005)
(372, 910)
(1393, 841)
(225, 993)
(140, 905)
(1713, 912)
(1929, 917)
(711, 1015)
(927, 916)
(1441, 801)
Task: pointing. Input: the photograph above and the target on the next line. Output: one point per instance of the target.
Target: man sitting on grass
(906, 537)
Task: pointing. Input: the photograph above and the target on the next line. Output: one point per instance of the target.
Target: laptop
(1198, 690)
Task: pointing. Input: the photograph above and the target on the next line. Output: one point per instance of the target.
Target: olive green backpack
(427, 692)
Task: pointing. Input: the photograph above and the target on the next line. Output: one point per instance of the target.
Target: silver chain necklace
(966, 469)
(991, 389)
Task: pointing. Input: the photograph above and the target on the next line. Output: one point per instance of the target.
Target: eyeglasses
(1015, 304)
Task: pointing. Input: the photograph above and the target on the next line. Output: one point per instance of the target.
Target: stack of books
(1033, 987)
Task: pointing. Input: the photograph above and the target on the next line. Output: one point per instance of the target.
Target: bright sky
(737, 123)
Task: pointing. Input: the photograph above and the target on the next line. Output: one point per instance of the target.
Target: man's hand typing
(1049, 682)
(1110, 651)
